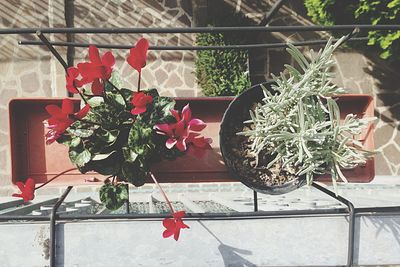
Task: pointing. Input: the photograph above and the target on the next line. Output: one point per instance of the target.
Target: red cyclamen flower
(174, 225)
(179, 134)
(138, 54)
(62, 118)
(139, 102)
(72, 82)
(98, 70)
(27, 190)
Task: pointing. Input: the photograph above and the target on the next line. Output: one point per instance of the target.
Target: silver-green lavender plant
(300, 124)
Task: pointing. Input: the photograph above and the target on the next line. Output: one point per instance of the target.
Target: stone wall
(169, 71)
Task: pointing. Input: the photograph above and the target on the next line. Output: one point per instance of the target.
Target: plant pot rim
(366, 174)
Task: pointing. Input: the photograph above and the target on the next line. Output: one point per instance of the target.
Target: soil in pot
(255, 168)
(239, 158)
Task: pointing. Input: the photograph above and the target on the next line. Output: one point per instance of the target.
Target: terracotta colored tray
(362, 105)
(31, 157)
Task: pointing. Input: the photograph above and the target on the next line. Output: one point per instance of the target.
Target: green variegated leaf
(80, 158)
(95, 101)
(75, 142)
(133, 173)
(102, 156)
(84, 133)
(113, 196)
(64, 139)
(129, 155)
(153, 92)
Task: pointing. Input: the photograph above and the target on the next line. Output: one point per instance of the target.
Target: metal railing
(350, 211)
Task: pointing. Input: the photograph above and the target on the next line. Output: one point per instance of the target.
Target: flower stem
(163, 193)
(83, 98)
(55, 177)
(119, 92)
(80, 93)
(140, 77)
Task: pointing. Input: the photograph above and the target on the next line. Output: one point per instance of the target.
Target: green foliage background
(223, 72)
(331, 12)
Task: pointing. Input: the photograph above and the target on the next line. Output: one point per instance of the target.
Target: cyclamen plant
(120, 133)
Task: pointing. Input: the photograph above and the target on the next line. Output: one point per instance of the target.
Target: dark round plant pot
(234, 116)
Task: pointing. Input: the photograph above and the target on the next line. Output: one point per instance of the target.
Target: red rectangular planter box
(31, 157)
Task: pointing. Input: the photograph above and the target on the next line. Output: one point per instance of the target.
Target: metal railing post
(53, 217)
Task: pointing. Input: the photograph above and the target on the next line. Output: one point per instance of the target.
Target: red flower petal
(138, 55)
(73, 72)
(170, 143)
(186, 113)
(85, 68)
(138, 110)
(136, 98)
(202, 142)
(94, 55)
(148, 99)
(165, 128)
(30, 183)
(52, 122)
(54, 111)
(72, 89)
(140, 101)
(20, 185)
(181, 144)
(168, 233)
(175, 113)
(108, 59)
(97, 87)
(177, 233)
(82, 113)
(169, 223)
(27, 190)
(81, 82)
(174, 226)
(67, 106)
(191, 136)
(197, 125)
(180, 129)
(51, 137)
(179, 214)
(181, 225)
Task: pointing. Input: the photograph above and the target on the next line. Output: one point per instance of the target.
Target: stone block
(3, 119)
(351, 63)
(161, 76)
(6, 95)
(30, 82)
(185, 93)
(173, 81)
(392, 153)
(384, 134)
(189, 78)
(381, 165)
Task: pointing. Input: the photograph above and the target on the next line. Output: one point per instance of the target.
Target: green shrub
(330, 12)
(222, 72)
